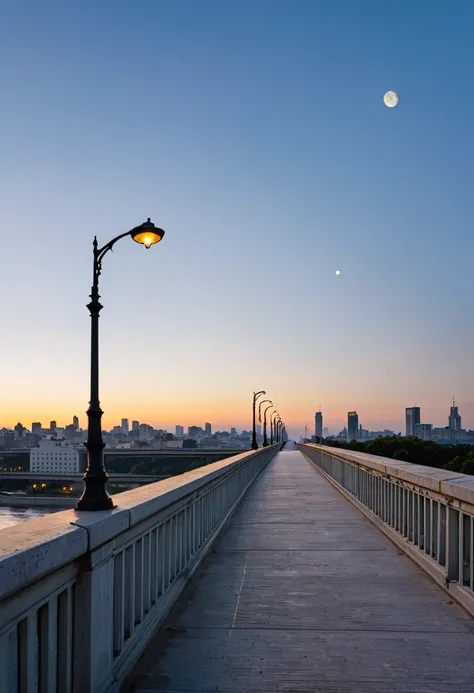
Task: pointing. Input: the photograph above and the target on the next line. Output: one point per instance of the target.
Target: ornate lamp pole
(273, 426)
(256, 395)
(265, 439)
(278, 430)
(262, 401)
(95, 496)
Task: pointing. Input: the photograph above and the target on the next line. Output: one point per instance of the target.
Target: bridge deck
(304, 595)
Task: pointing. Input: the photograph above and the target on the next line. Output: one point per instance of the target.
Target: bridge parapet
(81, 593)
(426, 511)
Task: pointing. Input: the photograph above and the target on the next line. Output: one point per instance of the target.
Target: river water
(12, 516)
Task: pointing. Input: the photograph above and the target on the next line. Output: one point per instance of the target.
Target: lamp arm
(100, 252)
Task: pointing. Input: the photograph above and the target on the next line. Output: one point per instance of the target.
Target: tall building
(19, 430)
(36, 427)
(52, 426)
(125, 428)
(208, 429)
(233, 431)
(454, 419)
(412, 417)
(135, 425)
(75, 423)
(180, 431)
(352, 426)
(194, 431)
(423, 431)
(318, 424)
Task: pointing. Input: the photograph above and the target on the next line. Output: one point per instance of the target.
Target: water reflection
(12, 516)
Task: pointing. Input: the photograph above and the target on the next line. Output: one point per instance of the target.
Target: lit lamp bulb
(147, 234)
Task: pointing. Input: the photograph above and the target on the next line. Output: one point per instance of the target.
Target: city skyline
(331, 421)
(279, 163)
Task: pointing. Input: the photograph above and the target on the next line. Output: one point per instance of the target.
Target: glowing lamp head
(147, 234)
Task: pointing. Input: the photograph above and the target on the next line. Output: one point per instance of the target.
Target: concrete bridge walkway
(302, 595)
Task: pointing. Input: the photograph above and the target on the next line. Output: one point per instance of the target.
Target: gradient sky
(255, 133)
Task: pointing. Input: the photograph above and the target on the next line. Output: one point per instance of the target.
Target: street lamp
(256, 395)
(278, 429)
(265, 439)
(273, 425)
(262, 401)
(95, 496)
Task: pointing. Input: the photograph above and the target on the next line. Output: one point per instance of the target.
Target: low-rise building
(55, 455)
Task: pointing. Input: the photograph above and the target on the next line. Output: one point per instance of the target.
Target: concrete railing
(428, 512)
(82, 593)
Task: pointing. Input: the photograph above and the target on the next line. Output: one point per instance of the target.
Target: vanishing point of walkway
(303, 595)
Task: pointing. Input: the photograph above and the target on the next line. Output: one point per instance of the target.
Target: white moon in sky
(338, 272)
(391, 99)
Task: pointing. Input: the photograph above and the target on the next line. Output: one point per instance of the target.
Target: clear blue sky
(255, 133)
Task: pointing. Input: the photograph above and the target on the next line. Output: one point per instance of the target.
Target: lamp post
(272, 425)
(256, 395)
(95, 496)
(262, 401)
(265, 439)
(278, 429)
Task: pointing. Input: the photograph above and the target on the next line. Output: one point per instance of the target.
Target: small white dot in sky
(337, 272)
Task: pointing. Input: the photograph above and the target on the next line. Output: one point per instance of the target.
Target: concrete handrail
(81, 593)
(428, 512)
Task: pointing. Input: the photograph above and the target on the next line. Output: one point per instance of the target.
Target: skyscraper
(135, 425)
(318, 424)
(454, 418)
(179, 431)
(208, 429)
(412, 417)
(52, 426)
(125, 426)
(75, 423)
(352, 426)
(36, 427)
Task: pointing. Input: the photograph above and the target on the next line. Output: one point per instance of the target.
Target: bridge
(290, 571)
(73, 476)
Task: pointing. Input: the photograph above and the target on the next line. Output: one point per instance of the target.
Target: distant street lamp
(278, 430)
(256, 395)
(95, 496)
(273, 426)
(262, 401)
(265, 439)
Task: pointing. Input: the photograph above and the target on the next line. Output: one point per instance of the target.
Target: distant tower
(352, 426)
(318, 424)
(412, 417)
(135, 426)
(454, 418)
(52, 426)
(125, 428)
(75, 423)
(208, 429)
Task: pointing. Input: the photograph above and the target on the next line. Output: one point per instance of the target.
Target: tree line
(455, 458)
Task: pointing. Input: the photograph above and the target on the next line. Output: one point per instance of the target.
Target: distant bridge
(150, 452)
(72, 476)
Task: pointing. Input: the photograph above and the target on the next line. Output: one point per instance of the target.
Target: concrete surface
(303, 595)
